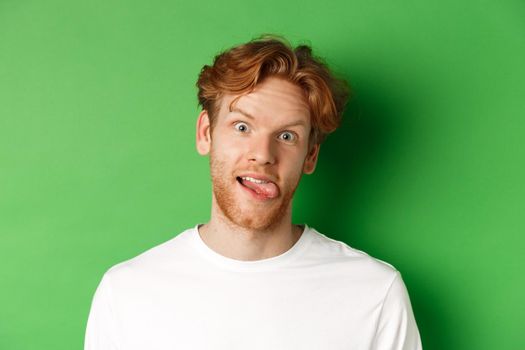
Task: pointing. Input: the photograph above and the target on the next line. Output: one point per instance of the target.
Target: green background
(98, 164)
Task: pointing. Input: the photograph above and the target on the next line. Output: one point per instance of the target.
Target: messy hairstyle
(239, 69)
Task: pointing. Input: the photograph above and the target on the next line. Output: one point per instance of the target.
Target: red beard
(263, 215)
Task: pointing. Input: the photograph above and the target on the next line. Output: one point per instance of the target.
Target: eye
(241, 127)
(288, 136)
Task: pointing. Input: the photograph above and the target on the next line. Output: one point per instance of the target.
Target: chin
(253, 216)
(257, 223)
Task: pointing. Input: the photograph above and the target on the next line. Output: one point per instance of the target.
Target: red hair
(239, 69)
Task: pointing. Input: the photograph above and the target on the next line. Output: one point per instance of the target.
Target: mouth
(259, 188)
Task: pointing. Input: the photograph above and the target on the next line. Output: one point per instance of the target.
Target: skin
(266, 135)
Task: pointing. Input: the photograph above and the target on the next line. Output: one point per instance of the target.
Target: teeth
(251, 179)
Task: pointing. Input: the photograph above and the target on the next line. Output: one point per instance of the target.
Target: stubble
(255, 216)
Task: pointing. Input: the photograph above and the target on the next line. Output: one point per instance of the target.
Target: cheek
(294, 164)
(293, 158)
(223, 139)
(226, 150)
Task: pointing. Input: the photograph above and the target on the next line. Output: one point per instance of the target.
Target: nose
(261, 151)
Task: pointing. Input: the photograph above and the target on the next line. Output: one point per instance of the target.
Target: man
(249, 278)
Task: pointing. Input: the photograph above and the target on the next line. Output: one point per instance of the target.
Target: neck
(240, 243)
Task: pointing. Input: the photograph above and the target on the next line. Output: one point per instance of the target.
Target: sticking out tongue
(268, 189)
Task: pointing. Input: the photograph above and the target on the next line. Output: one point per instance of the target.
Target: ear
(311, 159)
(203, 137)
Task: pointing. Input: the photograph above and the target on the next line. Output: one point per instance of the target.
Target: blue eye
(287, 136)
(242, 127)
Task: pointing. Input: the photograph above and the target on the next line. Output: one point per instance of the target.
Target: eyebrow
(248, 115)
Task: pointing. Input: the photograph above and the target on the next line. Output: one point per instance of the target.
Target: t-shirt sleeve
(101, 329)
(397, 328)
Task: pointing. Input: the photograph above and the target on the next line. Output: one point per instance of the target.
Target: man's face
(258, 153)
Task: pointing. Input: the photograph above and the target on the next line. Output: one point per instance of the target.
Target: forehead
(274, 99)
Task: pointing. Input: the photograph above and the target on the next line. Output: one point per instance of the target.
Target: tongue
(267, 189)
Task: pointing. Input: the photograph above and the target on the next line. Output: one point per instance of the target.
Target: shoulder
(339, 256)
(166, 255)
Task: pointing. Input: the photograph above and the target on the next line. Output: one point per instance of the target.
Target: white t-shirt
(320, 294)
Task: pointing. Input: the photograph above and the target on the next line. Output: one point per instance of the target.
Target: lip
(252, 194)
(258, 177)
